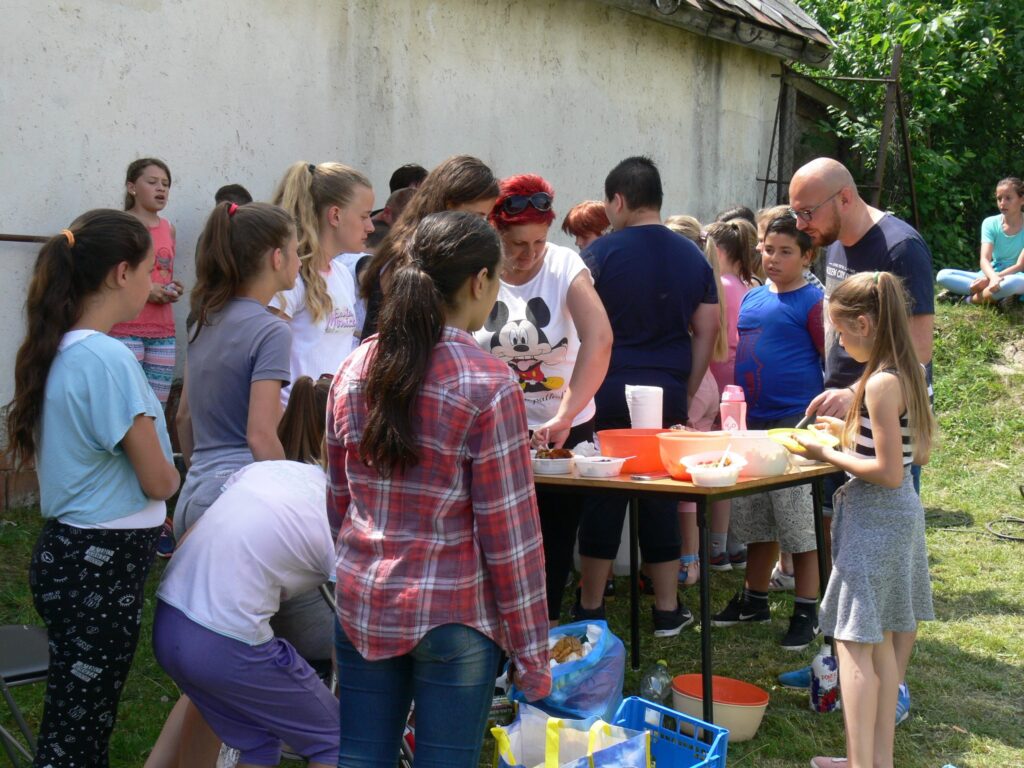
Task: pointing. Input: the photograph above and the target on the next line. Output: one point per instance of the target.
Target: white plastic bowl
(765, 457)
(598, 466)
(713, 476)
(552, 466)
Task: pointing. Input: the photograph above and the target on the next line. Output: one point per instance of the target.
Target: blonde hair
(305, 192)
(881, 297)
(691, 229)
(767, 214)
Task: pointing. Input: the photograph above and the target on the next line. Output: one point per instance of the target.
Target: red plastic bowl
(642, 444)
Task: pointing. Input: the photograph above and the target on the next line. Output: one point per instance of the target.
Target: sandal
(689, 570)
(781, 581)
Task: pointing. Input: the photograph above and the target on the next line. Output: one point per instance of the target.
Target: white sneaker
(781, 581)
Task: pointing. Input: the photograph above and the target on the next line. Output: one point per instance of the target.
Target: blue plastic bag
(588, 687)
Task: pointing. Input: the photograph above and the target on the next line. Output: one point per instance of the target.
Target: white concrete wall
(234, 92)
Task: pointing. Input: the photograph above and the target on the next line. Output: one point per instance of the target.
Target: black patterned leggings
(87, 586)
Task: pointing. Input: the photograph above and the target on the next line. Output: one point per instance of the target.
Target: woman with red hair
(586, 222)
(549, 325)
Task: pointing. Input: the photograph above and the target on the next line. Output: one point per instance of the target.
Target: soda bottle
(824, 681)
(733, 409)
(656, 685)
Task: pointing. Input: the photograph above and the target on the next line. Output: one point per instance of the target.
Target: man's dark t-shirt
(891, 245)
(651, 281)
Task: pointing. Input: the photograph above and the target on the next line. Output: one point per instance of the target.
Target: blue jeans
(959, 281)
(449, 674)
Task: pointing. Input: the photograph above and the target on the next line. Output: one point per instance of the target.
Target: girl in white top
(550, 326)
(214, 633)
(331, 204)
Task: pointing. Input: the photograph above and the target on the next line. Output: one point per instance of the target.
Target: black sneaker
(739, 611)
(803, 628)
(579, 613)
(671, 623)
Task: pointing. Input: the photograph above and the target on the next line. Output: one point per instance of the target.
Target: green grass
(967, 674)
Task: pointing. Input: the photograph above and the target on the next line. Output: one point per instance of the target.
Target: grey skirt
(879, 580)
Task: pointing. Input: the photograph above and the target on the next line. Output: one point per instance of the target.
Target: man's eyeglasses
(806, 214)
(514, 204)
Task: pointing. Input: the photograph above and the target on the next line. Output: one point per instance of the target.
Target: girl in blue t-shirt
(83, 410)
(1002, 252)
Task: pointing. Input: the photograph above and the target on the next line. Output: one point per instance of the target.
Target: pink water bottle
(733, 408)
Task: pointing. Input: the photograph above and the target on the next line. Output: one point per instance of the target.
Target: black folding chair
(24, 659)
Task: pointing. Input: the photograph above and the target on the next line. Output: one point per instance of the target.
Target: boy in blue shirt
(779, 366)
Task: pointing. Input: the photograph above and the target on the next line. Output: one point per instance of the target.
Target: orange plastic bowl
(673, 446)
(739, 706)
(641, 444)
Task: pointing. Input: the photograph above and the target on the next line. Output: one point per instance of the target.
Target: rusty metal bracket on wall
(22, 238)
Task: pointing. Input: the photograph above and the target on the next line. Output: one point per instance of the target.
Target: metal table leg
(818, 495)
(705, 608)
(634, 583)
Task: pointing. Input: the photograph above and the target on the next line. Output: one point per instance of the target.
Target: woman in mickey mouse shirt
(549, 325)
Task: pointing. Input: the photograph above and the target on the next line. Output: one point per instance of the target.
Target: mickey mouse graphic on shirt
(525, 347)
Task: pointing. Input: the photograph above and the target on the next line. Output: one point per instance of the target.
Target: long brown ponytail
(69, 270)
(882, 297)
(458, 180)
(738, 238)
(446, 250)
(230, 252)
(304, 421)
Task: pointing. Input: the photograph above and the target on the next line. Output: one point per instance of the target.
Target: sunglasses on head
(514, 204)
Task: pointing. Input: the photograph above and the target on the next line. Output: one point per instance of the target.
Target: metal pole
(905, 132)
(771, 147)
(887, 118)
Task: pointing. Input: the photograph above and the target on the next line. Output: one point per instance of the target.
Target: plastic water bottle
(656, 685)
(733, 409)
(824, 681)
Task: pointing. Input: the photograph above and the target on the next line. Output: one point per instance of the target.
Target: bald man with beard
(860, 238)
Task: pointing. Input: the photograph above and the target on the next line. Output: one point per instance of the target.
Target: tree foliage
(962, 77)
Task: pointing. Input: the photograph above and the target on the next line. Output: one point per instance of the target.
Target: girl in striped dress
(879, 585)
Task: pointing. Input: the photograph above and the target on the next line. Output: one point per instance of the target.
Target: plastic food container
(739, 706)
(705, 472)
(552, 466)
(641, 444)
(598, 466)
(765, 457)
(673, 446)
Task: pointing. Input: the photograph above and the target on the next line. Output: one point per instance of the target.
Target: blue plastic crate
(677, 740)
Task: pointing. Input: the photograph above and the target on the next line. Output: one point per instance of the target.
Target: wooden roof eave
(810, 47)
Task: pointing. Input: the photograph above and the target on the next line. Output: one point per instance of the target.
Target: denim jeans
(449, 674)
(959, 281)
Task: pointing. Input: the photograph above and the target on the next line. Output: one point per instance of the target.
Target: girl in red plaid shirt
(440, 561)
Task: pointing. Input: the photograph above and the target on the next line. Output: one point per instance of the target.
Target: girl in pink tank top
(150, 336)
